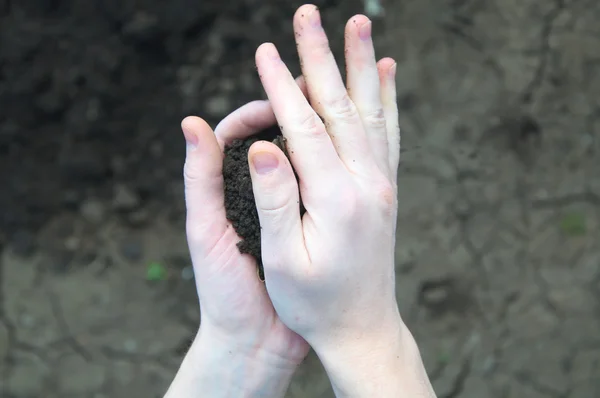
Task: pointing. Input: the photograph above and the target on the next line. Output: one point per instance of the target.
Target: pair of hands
(330, 274)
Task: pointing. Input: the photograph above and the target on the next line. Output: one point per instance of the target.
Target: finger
(387, 78)
(364, 89)
(249, 119)
(203, 180)
(277, 202)
(327, 91)
(309, 146)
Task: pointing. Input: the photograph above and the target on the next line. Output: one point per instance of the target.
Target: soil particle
(132, 249)
(125, 199)
(93, 211)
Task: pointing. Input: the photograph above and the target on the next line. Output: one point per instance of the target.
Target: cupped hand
(236, 310)
(330, 273)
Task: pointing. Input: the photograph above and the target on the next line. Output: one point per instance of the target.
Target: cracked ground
(498, 254)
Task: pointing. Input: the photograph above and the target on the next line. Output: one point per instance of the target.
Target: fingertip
(387, 77)
(266, 51)
(356, 22)
(265, 157)
(264, 146)
(194, 129)
(386, 61)
(265, 45)
(260, 49)
(193, 123)
(264, 162)
(304, 11)
(387, 67)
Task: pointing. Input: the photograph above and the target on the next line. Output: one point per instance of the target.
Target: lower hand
(242, 348)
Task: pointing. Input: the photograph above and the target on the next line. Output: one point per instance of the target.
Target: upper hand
(330, 274)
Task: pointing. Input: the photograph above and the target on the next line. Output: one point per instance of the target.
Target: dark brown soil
(239, 197)
(92, 94)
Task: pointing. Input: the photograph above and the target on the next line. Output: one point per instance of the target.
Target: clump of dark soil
(239, 198)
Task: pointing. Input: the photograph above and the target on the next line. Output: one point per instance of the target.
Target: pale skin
(329, 274)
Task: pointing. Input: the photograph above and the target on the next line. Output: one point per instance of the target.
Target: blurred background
(498, 254)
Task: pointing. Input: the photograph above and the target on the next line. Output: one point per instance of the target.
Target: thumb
(277, 202)
(203, 179)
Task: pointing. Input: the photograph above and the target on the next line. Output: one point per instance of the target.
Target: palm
(230, 285)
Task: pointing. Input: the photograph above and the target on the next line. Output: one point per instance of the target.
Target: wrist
(386, 363)
(215, 367)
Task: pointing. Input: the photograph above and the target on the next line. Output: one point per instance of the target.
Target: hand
(330, 274)
(239, 325)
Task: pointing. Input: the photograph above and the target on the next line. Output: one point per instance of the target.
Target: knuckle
(385, 196)
(276, 214)
(311, 125)
(189, 172)
(375, 118)
(353, 205)
(340, 107)
(275, 217)
(196, 173)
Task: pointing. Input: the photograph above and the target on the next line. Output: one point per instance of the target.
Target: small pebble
(125, 198)
(132, 249)
(27, 321)
(72, 243)
(142, 26)
(489, 364)
(93, 211)
(217, 106)
(130, 345)
(373, 8)
(187, 274)
(138, 218)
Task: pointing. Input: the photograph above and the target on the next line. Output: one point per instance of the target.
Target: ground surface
(498, 247)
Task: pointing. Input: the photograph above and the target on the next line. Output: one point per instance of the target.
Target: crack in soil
(70, 339)
(459, 382)
(531, 89)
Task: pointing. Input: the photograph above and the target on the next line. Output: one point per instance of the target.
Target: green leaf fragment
(156, 272)
(573, 224)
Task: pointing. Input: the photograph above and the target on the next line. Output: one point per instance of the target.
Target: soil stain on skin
(240, 206)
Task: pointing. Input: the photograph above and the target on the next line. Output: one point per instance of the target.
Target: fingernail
(392, 70)
(364, 32)
(314, 17)
(264, 162)
(191, 140)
